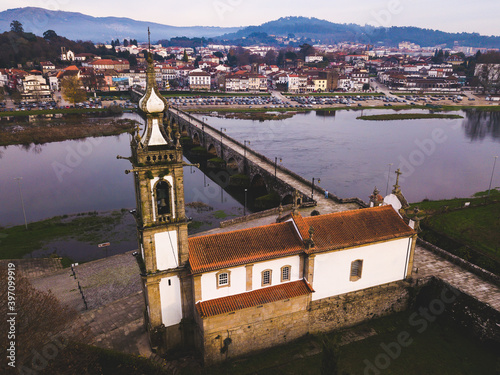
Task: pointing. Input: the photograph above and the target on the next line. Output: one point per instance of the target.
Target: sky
(481, 16)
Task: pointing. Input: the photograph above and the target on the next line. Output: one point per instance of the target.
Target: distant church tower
(161, 220)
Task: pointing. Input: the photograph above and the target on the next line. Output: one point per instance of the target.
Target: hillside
(78, 26)
(329, 32)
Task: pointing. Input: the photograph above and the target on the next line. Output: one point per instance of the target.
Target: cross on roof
(396, 186)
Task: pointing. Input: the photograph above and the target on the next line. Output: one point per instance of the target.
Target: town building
(199, 80)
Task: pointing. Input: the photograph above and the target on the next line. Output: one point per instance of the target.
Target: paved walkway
(34, 267)
(430, 264)
(324, 204)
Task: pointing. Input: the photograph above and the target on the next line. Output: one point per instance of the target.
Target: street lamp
(492, 172)
(245, 205)
(388, 174)
(22, 200)
(221, 144)
(312, 190)
(203, 129)
(245, 156)
(276, 165)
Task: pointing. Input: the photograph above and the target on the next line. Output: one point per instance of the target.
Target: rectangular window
(223, 279)
(266, 277)
(285, 273)
(356, 268)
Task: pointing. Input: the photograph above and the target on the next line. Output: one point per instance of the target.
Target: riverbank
(44, 131)
(407, 116)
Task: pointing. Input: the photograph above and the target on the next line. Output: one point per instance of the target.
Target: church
(233, 293)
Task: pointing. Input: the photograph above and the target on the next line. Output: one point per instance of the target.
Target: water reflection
(479, 124)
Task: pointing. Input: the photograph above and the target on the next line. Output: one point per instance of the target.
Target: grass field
(91, 227)
(478, 227)
(471, 232)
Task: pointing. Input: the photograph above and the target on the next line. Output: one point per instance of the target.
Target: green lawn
(441, 349)
(478, 227)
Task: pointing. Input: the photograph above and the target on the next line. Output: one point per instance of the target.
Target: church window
(266, 277)
(356, 268)
(163, 198)
(285, 273)
(222, 279)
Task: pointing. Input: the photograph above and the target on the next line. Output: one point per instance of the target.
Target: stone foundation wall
(254, 328)
(353, 308)
(280, 322)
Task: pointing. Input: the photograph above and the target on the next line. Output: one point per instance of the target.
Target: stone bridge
(263, 172)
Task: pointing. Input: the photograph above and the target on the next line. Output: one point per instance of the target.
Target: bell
(163, 203)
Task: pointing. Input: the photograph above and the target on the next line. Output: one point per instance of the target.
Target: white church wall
(237, 284)
(166, 250)
(275, 266)
(171, 303)
(382, 263)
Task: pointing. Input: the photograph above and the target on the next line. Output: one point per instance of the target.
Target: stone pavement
(106, 280)
(427, 263)
(119, 325)
(33, 267)
(63, 285)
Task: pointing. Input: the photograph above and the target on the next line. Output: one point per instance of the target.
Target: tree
(185, 57)
(134, 42)
(125, 43)
(271, 57)
(40, 323)
(306, 50)
(49, 35)
(16, 27)
(330, 356)
(72, 90)
(16, 96)
(117, 42)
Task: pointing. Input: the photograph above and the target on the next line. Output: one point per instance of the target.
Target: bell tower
(161, 220)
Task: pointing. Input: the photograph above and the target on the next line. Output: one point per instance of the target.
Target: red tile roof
(357, 227)
(301, 226)
(331, 232)
(216, 251)
(254, 298)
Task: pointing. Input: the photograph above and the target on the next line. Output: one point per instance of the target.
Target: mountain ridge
(79, 26)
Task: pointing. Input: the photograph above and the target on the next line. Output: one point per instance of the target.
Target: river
(439, 159)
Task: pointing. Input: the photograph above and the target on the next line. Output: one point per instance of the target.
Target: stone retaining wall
(277, 323)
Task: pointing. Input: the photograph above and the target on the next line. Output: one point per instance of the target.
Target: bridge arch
(232, 165)
(287, 199)
(212, 150)
(258, 184)
(196, 139)
(184, 131)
